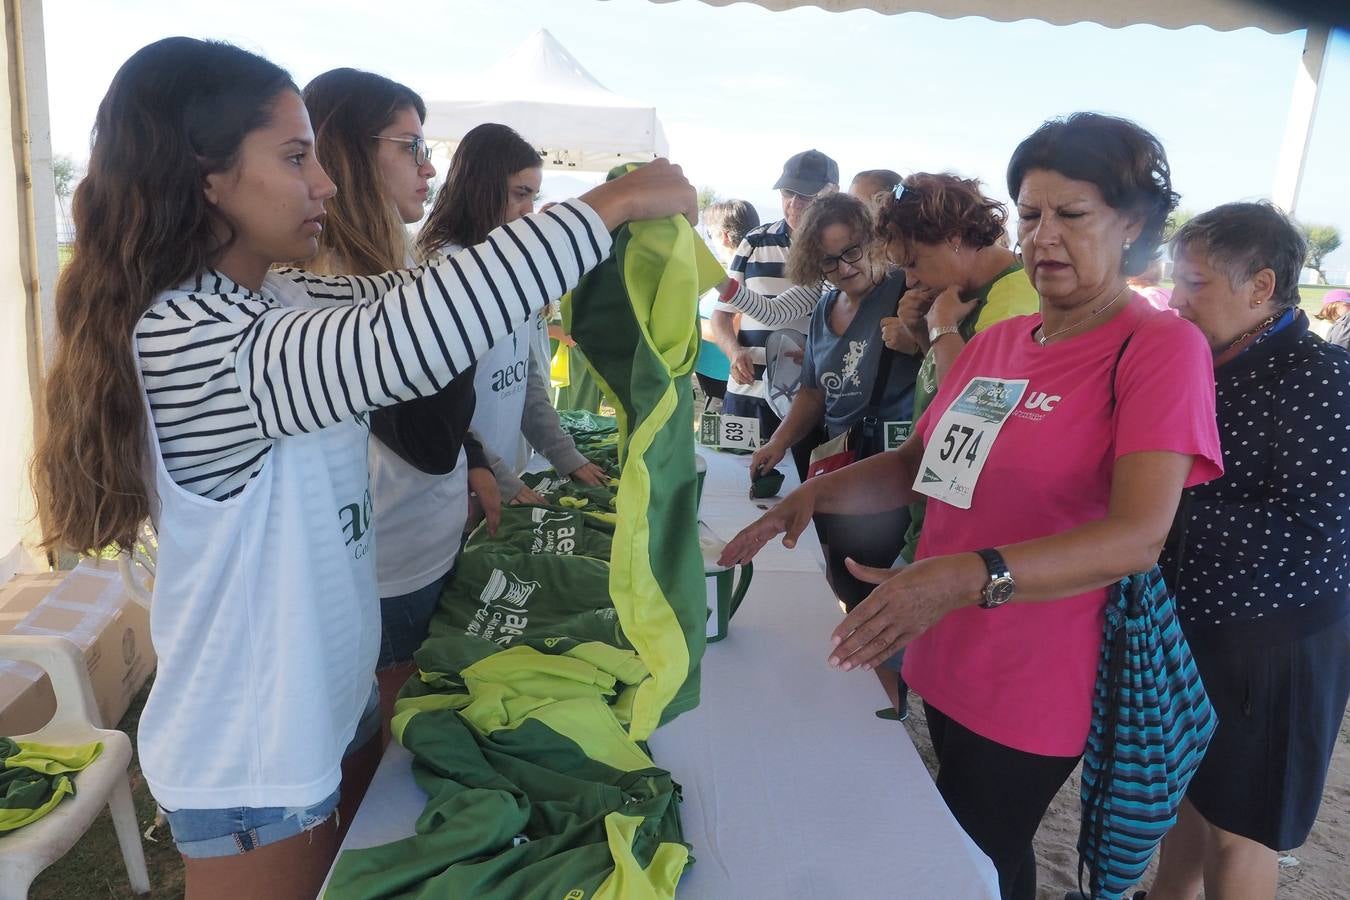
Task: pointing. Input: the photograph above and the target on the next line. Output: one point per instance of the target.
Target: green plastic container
(725, 589)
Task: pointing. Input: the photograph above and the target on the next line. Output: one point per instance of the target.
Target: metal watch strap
(940, 331)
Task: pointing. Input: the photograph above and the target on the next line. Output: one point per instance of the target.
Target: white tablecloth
(792, 787)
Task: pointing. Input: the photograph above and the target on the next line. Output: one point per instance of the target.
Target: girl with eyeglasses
(423, 460)
(844, 358)
(228, 403)
(494, 179)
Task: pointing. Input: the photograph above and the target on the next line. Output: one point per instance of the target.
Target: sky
(739, 89)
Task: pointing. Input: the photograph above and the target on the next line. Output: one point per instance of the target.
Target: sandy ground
(1322, 871)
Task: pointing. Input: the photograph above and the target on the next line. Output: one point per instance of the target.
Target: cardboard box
(90, 607)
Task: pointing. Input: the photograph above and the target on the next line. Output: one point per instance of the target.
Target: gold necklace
(1247, 335)
(1044, 338)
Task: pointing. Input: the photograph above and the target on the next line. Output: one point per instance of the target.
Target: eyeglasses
(850, 255)
(793, 195)
(417, 146)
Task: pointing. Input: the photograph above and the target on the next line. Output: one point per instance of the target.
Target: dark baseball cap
(807, 172)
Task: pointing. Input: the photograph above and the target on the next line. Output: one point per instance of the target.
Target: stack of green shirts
(564, 640)
(596, 436)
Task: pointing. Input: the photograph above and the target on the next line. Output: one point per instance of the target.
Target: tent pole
(29, 277)
(1302, 114)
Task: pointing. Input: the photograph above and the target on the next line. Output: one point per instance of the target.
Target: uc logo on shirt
(1039, 400)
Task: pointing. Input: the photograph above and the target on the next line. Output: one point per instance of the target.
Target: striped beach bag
(1151, 723)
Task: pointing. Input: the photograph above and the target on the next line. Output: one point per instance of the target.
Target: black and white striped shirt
(228, 370)
(759, 265)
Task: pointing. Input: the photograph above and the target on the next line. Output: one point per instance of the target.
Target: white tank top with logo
(500, 387)
(419, 517)
(267, 625)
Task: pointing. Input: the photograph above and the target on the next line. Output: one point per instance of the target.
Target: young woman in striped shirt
(229, 404)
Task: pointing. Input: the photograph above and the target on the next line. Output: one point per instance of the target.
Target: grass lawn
(1312, 295)
(93, 868)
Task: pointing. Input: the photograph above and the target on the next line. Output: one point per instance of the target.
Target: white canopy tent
(542, 84)
(543, 92)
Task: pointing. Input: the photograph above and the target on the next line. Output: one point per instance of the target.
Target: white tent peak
(545, 93)
(542, 69)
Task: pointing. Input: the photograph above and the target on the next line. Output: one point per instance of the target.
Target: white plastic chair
(26, 851)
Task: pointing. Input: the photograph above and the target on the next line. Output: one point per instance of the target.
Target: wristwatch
(940, 330)
(1000, 587)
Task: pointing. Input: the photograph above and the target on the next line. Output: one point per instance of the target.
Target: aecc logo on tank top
(356, 520)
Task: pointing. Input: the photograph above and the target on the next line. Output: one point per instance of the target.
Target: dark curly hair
(936, 208)
(1125, 161)
(803, 264)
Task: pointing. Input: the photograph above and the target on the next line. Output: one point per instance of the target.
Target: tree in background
(65, 176)
(63, 170)
(1178, 218)
(707, 196)
(1322, 241)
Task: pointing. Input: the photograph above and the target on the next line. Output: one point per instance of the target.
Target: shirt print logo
(509, 376)
(503, 616)
(1039, 400)
(355, 519)
(505, 587)
(554, 532)
(834, 382)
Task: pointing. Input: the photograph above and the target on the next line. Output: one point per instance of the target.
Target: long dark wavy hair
(472, 201)
(176, 111)
(363, 233)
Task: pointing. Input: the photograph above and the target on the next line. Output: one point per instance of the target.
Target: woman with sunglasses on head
(842, 364)
(423, 460)
(246, 392)
(961, 279)
(494, 179)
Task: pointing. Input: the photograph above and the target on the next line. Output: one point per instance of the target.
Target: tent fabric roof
(542, 91)
(1221, 15)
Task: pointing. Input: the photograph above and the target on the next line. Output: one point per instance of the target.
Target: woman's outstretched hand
(789, 518)
(905, 604)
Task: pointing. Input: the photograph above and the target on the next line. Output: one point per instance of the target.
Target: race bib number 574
(959, 446)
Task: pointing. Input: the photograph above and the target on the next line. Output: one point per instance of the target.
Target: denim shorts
(201, 833)
(405, 621)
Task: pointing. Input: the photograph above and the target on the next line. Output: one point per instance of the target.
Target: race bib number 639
(959, 446)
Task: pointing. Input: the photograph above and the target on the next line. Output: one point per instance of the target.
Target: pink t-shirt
(1158, 297)
(1022, 675)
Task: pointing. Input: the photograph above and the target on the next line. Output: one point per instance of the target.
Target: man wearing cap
(758, 265)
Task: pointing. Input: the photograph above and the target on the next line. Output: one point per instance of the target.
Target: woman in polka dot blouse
(1258, 558)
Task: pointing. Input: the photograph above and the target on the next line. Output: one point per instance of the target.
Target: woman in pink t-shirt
(1052, 457)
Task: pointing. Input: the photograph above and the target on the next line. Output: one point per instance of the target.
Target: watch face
(999, 591)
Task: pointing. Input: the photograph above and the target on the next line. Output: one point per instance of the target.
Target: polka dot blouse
(1267, 542)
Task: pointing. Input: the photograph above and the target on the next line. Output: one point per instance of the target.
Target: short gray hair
(1241, 239)
(731, 217)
